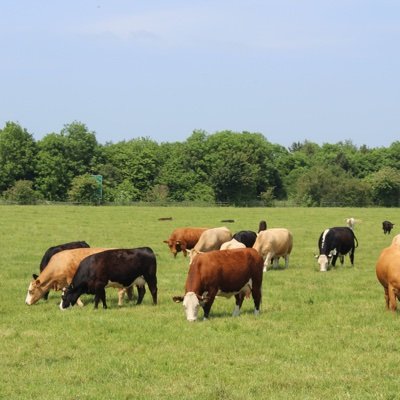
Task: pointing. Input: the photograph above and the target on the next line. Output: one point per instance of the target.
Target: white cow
(232, 244)
(211, 239)
(274, 243)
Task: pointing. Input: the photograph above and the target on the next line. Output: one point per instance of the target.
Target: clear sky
(294, 70)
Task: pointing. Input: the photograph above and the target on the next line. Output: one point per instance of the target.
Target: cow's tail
(356, 240)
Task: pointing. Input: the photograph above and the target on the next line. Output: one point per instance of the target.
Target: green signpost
(99, 180)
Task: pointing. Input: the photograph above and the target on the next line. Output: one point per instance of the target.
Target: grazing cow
(274, 243)
(387, 226)
(183, 239)
(225, 273)
(211, 239)
(232, 244)
(262, 226)
(56, 249)
(388, 274)
(113, 268)
(59, 272)
(333, 243)
(246, 237)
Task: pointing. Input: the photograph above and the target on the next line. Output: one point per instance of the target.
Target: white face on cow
(34, 292)
(323, 262)
(191, 304)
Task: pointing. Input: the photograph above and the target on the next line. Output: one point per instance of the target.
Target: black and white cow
(120, 268)
(387, 226)
(333, 243)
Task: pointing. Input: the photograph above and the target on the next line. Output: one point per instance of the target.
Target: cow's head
(323, 261)
(69, 297)
(35, 291)
(191, 302)
(174, 246)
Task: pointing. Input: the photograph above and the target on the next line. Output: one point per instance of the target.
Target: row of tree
(224, 167)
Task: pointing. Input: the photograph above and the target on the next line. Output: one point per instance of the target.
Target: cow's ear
(34, 276)
(37, 282)
(165, 241)
(177, 299)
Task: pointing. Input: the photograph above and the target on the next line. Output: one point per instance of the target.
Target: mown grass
(320, 335)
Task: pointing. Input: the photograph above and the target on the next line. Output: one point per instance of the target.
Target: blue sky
(294, 70)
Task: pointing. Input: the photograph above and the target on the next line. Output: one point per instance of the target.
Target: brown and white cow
(388, 274)
(236, 272)
(211, 239)
(58, 273)
(183, 239)
(119, 268)
(272, 244)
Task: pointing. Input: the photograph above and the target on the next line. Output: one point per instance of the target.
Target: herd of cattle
(221, 264)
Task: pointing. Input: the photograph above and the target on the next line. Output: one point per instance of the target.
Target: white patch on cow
(246, 289)
(28, 299)
(324, 237)
(191, 304)
(323, 262)
(139, 281)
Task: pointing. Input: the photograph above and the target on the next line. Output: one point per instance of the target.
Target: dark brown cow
(183, 239)
(120, 268)
(237, 272)
(387, 227)
(388, 274)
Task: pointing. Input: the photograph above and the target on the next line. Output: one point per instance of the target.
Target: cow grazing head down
(323, 262)
(174, 246)
(34, 291)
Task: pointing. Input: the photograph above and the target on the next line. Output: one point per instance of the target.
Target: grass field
(319, 335)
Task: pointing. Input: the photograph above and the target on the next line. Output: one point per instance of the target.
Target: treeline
(224, 167)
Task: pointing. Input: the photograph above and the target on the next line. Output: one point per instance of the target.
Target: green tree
(385, 187)
(21, 193)
(17, 155)
(84, 189)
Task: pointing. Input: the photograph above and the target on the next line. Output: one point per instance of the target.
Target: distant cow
(246, 237)
(262, 226)
(58, 273)
(237, 272)
(183, 239)
(56, 249)
(350, 222)
(113, 268)
(388, 274)
(211, 239)
(232, 244)
(274, 243)
(387, 227)
(333, 243)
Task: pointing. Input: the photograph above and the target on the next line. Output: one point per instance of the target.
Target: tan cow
(272, 244)
(388, 274)
(232, 244)
(58, 273)
(211, 239)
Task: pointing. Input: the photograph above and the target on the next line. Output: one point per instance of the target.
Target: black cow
(336, 242)
(262, 226)
(387, 226)
(246, 237)
(116, 268)
(56, 249)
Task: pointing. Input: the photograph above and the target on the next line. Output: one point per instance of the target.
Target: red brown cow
(388, 274)
(183, 239)
(237, 272)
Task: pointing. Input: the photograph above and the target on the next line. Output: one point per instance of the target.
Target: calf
(274, 243)
(333, 243)
(388, 274)
(113, 268)
(246, 237)
(236, 272)
(183, 239)
(387, 227)
(56, 249)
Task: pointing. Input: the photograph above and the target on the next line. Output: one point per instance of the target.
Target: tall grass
(320, 335)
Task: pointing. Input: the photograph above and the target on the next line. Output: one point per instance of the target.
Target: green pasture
(319, 335)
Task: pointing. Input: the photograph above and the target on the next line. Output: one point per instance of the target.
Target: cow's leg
(121, 294)
(286, 261)
(129, 292)
(141, 291)
(46, 296)
(184, 251)
(267, 262)
(341, 257)
(276, 262)
(334, 258)
(351, 255)
(207, 305)
(256, 293)
(239, 301)
(152, 284)
(386, 297)
(100, 294)
(392, 298)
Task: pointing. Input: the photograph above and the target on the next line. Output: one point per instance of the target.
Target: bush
(22, 193)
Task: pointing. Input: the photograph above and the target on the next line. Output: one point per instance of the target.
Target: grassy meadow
(319, 335)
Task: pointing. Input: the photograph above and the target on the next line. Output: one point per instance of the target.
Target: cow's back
(212, 239)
